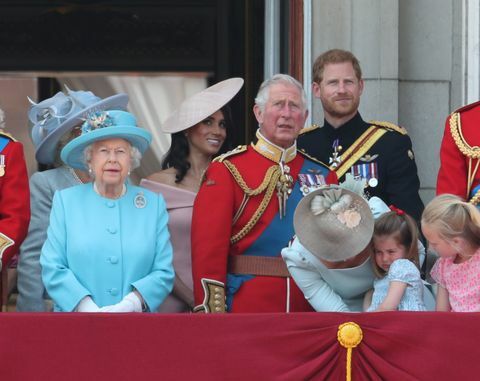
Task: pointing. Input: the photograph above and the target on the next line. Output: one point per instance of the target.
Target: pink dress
(462, 281)
(179, 206)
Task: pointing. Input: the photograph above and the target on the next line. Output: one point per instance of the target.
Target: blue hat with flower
(53, 117)
(101, 126)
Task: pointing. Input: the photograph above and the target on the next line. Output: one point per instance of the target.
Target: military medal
(335, 159)
(369, 172)
(2, 165)
(309, 182)
(140, 201)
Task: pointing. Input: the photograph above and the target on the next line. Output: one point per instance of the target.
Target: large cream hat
(333, 223)
(201, 105)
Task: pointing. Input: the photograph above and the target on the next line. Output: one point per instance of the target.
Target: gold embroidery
(389, 126)
(308, 129)
(269, 184)
(473, 153)
(274, 152)
(234, 151)
(5, 242)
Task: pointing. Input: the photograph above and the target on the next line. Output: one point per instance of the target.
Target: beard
(337, 109)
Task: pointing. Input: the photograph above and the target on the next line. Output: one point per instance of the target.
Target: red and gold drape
(395, 346)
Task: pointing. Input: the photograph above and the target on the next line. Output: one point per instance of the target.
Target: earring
(90, 171)
(128, 173)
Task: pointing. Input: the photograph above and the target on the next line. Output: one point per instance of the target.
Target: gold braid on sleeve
(475, 199)
(460, 142)
(473, 153)
(268, 186)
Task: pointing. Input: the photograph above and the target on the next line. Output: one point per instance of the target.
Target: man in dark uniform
(379, 152)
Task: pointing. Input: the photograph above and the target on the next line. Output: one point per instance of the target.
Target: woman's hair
(62, 142)
(403, 229)
(452, 217)
(177, 155)
(135, 156)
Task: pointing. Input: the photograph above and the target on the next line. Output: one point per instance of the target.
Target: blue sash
(277, 234)
(474, 192)
(3, 142)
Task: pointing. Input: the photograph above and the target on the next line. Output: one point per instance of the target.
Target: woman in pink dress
(201, 129)
(452, 228)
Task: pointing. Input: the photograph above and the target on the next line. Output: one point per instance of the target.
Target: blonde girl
(395, 262)
(452, 228)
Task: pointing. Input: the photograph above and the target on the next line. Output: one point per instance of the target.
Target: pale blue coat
(105, 248)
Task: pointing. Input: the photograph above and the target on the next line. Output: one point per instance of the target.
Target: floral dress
(402, 270)
(461, 280)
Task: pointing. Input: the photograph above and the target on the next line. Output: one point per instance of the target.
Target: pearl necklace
(124, 190)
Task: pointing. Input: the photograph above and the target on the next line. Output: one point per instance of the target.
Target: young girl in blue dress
(395, 262)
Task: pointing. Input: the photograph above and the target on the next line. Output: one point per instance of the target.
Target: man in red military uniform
(459, 154)
(14, 197)
(243, 213)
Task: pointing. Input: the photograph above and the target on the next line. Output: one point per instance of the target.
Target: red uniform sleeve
(452, 176)
(15, 200)
(212, 217)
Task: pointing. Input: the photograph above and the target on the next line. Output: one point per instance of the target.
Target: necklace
(124, 190)
(75, 176)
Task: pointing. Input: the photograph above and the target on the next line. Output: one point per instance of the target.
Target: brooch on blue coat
(140, 201)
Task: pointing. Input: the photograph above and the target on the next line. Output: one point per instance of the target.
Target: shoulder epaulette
(7, 135)
(467, 107)
(389, 126)
(308, 129)
(234, 151)
(303, 153)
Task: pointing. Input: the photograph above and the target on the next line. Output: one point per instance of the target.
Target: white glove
(87, 305)
(130, 303)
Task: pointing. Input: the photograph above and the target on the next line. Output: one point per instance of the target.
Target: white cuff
(135, 301)
(87, 305)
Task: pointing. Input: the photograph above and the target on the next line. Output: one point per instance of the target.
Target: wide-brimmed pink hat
(201, 105)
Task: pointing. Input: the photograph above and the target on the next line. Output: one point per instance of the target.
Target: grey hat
(333, 223)
(55, 116)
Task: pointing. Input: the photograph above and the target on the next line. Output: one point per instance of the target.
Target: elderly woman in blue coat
(108, 247)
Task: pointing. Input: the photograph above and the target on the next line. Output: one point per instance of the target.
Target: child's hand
(367, 299)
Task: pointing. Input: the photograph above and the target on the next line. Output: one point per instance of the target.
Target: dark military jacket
(387, 164)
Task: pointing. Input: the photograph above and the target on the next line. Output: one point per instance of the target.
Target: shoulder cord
(269, 184)
(389, 126)
(468, 151)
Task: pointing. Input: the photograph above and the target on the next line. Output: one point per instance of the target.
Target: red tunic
(453, 173)
(14, 200)
(215, 206)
